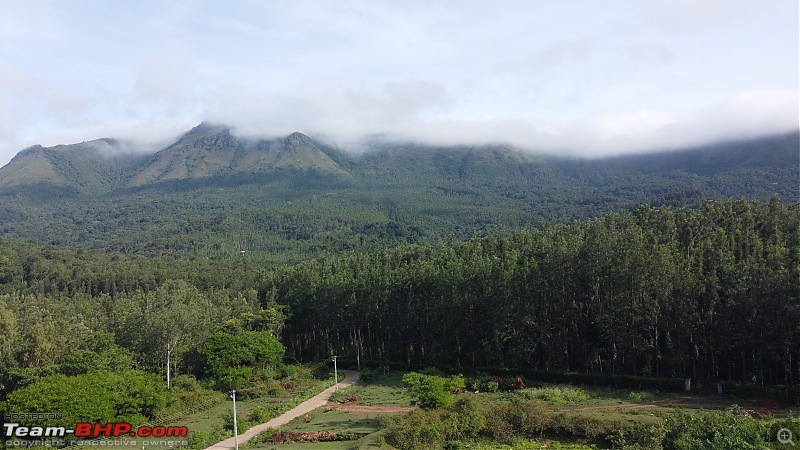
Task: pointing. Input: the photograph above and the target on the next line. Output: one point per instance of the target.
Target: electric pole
(170, 347)
(235, 429)
(168, 352)
(335, 374)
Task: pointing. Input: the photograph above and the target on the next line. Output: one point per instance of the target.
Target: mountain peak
(300, 139)
(29, 150)
(210, 150)
(206, 128)
(297, 135)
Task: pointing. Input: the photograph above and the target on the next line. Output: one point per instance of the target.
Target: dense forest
(387, 197)
(710, 293)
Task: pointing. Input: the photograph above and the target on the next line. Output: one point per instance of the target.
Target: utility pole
(235, 429)
(168, 352)
(170, 347)
(335, 374)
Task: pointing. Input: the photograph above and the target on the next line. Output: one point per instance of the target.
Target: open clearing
(359, 416)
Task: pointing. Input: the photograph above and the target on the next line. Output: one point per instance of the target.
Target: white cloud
(574, 77)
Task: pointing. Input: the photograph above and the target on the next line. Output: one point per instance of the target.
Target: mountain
(210, 151)
(206, 151)
(96, 166)
(213, 194)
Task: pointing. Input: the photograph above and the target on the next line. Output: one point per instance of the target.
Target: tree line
(710, 293)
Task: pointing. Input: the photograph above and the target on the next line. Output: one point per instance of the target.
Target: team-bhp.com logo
(90, 430)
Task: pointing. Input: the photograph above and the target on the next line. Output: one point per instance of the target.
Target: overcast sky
(573, 77)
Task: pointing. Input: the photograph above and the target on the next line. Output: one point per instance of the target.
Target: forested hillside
(212, 195)
(711, 294)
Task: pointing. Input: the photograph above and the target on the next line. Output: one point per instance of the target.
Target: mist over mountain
(212, 193)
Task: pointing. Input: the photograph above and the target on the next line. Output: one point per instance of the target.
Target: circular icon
(785, 436)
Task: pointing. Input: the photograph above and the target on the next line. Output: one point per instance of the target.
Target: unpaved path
(350, 377)
(367, 408)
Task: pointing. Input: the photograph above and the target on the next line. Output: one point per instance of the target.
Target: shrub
(272, 388)
(260, 415)
(202, 439)
(416, 430)
(584, 426)
(369, 375)
(466, 419)
(530, 418)
(639, 436)
(641, 396)
(433, 371)
(385, 421)
(187, 392)
(431, 391)
(499, 422)
(340, 397)
(730, 429)
(556, 395)
(234, 378)
(226, 351)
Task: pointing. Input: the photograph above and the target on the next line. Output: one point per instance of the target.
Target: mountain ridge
(211, 151)
(212, 194)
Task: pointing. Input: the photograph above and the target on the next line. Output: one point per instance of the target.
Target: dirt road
(307, 406)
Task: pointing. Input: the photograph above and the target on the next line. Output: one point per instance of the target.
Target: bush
(466, 419)
(730, 429)
(225, 351)
(369, 375)
(385, 421)
(416, 430)
(555, 394)
(271, 388)
(639, 436)
(351, 395)
(499, 422)
(431, 391)
(260, 415)
(130, 396)
(584, 426)
(432, 371)
(234, 378)
(641, 396)
(530, 418)
(296, 373)
(202, 439)
(594, 379)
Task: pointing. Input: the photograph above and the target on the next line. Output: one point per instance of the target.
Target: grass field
(365, 404)
(388, 393)
(325, 419)
(210, 423)
(385, 391)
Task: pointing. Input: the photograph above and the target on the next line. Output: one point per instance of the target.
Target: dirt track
(303, 408)
(367, 408)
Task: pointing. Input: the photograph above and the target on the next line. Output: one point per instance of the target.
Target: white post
(168, 352)
(170, 347)
(335, 375)
(235, 429)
